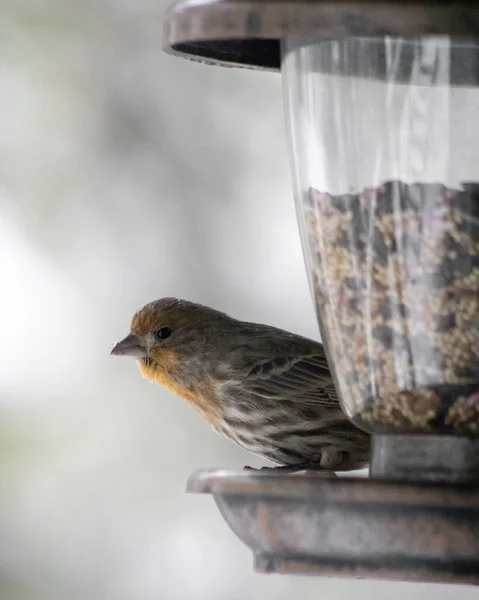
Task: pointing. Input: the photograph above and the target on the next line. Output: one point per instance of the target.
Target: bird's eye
(162, 333)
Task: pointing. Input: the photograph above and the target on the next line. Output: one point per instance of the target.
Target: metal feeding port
(381, 102)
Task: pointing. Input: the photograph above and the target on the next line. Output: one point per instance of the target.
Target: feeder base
(353, 527)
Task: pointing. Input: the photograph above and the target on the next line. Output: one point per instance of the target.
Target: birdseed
(395, 271)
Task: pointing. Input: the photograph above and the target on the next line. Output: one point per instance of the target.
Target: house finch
(268, 390)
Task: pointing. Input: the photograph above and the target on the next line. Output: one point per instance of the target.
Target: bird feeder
(381, 101)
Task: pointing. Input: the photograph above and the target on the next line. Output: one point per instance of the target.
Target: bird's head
(177, 344)
(170, 331)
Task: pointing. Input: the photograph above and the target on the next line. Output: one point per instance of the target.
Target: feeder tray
(387, 527)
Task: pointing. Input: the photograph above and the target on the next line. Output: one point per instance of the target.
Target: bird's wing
(306, 379)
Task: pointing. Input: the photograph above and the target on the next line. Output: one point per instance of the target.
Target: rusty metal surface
(308, 524)
(246, 33)
(437, 458)
(314, 488)
(266, 564)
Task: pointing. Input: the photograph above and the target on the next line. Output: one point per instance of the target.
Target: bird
(268, 390)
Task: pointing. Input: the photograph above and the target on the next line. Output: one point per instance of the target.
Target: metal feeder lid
(247, 33)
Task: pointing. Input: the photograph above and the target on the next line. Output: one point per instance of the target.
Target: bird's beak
(130, 346)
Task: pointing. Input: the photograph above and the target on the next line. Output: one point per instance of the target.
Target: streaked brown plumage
(268, 390)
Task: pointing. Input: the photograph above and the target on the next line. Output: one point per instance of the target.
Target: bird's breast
(202, 396)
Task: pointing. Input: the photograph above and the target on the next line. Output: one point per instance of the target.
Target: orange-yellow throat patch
(202, 398)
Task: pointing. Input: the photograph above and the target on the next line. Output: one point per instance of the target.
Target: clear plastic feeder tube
(384, 141)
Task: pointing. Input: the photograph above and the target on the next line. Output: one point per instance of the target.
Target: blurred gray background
(128, 175)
